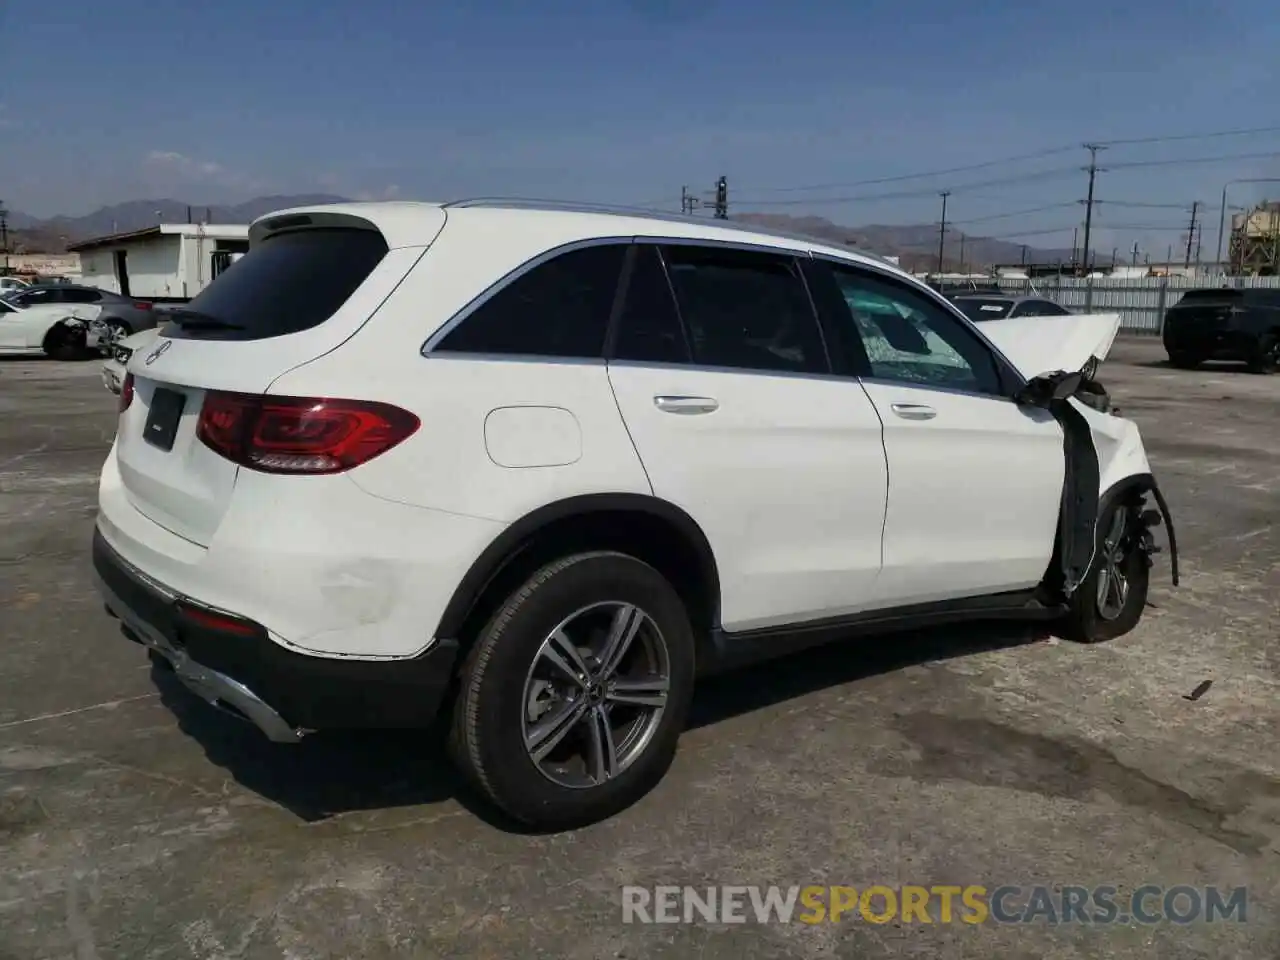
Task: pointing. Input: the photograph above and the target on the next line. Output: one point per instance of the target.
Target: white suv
(541, 466)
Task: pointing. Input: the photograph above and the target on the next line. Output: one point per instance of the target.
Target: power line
(1017, 213)
(1021, 158)
(1189, 136)
(1143, 206)
(1132, 164)
(920, 192)
(969, 168)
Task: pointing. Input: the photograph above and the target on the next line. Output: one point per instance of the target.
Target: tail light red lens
(126, 392)
(304, 435)
(142, 305)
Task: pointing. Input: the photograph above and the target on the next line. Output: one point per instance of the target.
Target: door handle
(914, 411)
(685, 405)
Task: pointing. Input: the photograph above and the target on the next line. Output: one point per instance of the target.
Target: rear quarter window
(288, 283)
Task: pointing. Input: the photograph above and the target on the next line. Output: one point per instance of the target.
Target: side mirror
(1043, 390)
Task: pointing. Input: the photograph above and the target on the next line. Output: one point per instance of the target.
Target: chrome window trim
(476, 302)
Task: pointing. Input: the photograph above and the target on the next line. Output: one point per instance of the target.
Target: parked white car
(10, 284)
(60, 330)
(542, 467)
(113, 371)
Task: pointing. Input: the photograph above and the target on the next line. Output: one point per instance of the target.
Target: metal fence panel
(1140, 302)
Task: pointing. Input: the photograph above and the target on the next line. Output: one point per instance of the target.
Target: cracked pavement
(135, 823)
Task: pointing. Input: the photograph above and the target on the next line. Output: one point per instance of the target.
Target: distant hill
(139, 214)
(916, 244)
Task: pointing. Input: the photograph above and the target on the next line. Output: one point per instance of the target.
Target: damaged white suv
(540, 467)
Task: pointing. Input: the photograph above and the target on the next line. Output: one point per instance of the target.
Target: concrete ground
(135, 823)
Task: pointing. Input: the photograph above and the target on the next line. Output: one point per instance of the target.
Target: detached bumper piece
(230, 662)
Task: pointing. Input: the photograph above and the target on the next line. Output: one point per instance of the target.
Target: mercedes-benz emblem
(155, 354)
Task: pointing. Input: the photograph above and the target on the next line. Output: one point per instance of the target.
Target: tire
(1266, 357)
(510, 693)
(64, 343)
(1095, 618)
(1183, 361)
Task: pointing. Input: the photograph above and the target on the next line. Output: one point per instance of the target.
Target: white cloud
(186, 166)
(390, 192)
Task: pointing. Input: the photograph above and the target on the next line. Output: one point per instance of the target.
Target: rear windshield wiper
(195, 320)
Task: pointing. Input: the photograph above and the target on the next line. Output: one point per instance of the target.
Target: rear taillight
(126, 392)
(306, 435)
(142, 305)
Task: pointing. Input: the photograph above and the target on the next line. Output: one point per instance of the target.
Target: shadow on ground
(330, 773)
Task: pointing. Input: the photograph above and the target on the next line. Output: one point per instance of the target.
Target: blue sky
(626, 100)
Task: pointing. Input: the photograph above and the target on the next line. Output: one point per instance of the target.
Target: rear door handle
(914, 411)
(685, 405)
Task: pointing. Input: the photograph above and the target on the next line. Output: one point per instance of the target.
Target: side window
(649, 327)
(558, 309)
(911, 339)
(1050, 309)
(745, 309)
(36, 298)
(1027, 308)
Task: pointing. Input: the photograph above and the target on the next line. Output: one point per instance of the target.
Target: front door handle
(685, 405)
(914, 411)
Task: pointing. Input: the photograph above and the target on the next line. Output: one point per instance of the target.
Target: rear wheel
(1110, 601)
(575, 693)
(64, 342)
(1266, 357)
(1184, 361)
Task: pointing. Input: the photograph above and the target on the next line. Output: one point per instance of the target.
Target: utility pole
(1093, 149)
(722, 199)
(962, 251)
(1135, 253)
(1191, 232)
(687, 201)
(4, 234)
(1075, 246)
(942, 229)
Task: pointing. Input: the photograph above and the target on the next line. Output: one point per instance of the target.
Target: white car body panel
(1037, 345)
(973, 494)
(787, 477)
(23, 329)
(113, 370)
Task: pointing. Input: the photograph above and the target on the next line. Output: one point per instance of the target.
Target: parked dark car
(120, 317)
(1224, 324)
(979, 307)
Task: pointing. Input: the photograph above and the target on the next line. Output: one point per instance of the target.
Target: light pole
(1222, 213)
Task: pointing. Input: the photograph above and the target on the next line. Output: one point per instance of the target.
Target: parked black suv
(1225, 324)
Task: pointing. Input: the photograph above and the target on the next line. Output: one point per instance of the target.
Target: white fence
(1141, 303)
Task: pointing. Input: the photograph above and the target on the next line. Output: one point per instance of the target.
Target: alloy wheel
(1113, 582)
(595, 694)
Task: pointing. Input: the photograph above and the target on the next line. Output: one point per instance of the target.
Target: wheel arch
(655, 530)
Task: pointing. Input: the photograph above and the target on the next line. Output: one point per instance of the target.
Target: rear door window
(745, 309)
(288, 283)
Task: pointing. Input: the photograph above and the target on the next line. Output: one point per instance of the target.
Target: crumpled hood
(1037, 345)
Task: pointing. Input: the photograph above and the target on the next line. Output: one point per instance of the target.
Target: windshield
(981, 308)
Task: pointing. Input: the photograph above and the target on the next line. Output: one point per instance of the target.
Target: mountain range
(915, 244)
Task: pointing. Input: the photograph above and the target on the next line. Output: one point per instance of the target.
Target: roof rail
(648, 213)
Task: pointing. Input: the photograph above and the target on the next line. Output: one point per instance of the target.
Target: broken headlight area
(1090, 392)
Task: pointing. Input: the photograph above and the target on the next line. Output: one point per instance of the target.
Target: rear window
(1216, 295)
(288, 283)
(976, 308)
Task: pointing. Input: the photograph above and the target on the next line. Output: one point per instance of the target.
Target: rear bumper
(232, 662)
(1210, 344)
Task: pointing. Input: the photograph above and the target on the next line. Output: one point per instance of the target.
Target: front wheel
(1110, 601)
(574, 695)
(65, 342)
(1266, 357)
